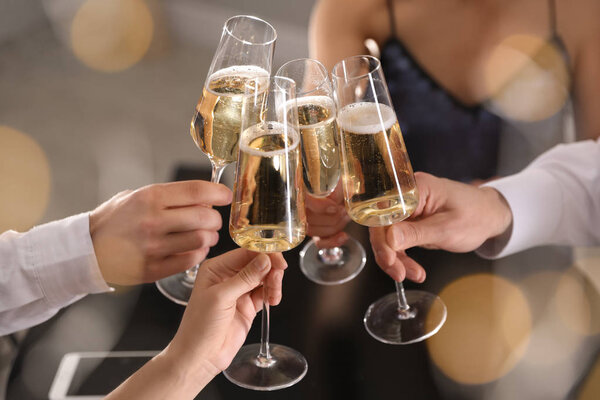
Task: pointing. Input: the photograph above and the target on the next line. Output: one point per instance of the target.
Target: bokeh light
(590, 388)
(551, 343)
(487, 330)
(111, 35)
(372, 47)
(24, 180)
(576, 303)
(527, 78)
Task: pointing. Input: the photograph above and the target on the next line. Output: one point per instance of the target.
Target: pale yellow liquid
(217, 122)
(267, 214)
(378, 181)
(320, 157)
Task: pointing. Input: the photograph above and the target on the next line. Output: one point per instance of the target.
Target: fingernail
(262, 262)
(331, 210)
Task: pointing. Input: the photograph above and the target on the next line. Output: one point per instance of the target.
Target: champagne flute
(267, 215)
(321, 167)
(380, 189)
(245, 52)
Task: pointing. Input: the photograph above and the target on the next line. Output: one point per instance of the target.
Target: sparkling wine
(269, 216)
(216, 123)
(320, 157)
(376, 165)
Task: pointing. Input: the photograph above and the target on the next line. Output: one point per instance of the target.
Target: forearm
(164, 377)
(556, 200)
(45, 269)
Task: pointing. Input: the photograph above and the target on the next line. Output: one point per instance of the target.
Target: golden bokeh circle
(24, 180)
(576, 304)
(551, 344)
(487, 330)
(111, 35)
(527, 78)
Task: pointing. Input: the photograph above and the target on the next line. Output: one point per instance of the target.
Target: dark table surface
(324, 323)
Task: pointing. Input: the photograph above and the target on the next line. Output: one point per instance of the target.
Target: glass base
(285, 368)
(351, 261)
(176, 288)
(386, 323)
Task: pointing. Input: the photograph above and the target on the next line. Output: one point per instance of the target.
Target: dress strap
(390, 5)
(552, 16)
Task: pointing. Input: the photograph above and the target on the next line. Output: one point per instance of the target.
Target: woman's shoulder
(370, 18)
(577, 24)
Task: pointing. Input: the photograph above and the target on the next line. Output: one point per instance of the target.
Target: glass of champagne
(380, 189)
(244, 53)
(267, 215)
(321, 167)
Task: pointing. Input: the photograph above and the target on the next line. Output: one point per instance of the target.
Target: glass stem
(190, 275)
(217, 171)
(331, 256)
(264, 354)
(404, 310)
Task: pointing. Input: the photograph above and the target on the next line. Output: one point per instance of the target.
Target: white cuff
(63, 259)
(535, 202)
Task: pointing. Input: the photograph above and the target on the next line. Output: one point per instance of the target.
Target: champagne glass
(244, 53)
(267, 215)
(321, 167)
(380, 189)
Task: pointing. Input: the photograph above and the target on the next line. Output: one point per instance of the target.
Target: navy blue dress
(445, 137)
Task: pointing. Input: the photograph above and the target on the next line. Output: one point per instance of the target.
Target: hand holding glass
(380, 189)
(267, 215)
(245, 52)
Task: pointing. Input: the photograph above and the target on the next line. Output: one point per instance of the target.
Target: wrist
(189, 369)
(500, 211)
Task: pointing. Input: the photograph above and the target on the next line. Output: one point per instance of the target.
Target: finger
(247, 279)
(257, 299)
(224, 266)
(395, 270)
(245, 305)
(384, 255)
(332, 241)
(337, 196)
(414, 271)
(320, 205)
(273, 283)
(277, 261)
(175, 263)
(184, 219)
(186, 193)
(427, 231)
(330, 230)
(324, 219)
(181, 242)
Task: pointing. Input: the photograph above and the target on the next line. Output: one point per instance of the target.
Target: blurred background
(96, 96)
(107, 89)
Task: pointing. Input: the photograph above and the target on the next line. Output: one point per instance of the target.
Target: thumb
(248, 278)
(407, 234)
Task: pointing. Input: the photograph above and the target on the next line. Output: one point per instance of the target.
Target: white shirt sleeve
(555, 200)
(45, 269)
